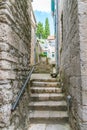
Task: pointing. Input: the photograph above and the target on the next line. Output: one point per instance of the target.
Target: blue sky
(42, 10)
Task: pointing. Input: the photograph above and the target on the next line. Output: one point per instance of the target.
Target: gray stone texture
(73, 58)
(49, 127)
(15, 44)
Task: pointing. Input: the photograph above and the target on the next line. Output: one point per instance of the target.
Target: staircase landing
(42, 76)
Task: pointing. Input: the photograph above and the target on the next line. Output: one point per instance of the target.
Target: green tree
(40, 30)
(43, 35)
(47, 28)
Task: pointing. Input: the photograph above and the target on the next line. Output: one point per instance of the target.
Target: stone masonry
(82, 10)
(33, 36)
(15, 38)
(73, 58)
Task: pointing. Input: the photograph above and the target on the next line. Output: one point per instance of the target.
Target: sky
(42, 10)
(42, 5)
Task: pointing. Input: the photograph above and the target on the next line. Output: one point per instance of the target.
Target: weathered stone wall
(73, 61)
(82, 10)
(33, 37)
(15, 38)
(60, 29)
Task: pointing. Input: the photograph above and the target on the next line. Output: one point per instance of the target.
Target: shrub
(43, 55)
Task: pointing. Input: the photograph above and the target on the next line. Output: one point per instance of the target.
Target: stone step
(48, 116)
(46, 90)
(42, 70)
(45, 84)
(48, 105)
(45, 80)
(47, 97)
(44, 66)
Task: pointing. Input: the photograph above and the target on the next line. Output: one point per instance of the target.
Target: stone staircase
(43, 68)
(47, 103)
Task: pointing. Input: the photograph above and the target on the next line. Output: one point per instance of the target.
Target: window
(53, 54)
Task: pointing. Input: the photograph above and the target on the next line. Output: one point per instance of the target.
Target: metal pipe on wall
(57, 57)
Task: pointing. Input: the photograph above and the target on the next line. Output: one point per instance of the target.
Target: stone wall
(33, 36)
(82, 10)
(73, 59)
(15, 38)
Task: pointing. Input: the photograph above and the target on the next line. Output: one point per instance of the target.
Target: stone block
(5, 114)
(4, 47)
(84, 82)
(9, 57)
(84, 97)
(5, 65)
(7, 75)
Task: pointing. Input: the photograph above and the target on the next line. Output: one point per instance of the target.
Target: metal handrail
(15, 104)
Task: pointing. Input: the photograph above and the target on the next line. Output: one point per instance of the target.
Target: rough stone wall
(82, 10)
(15, 38)
(74, 60)
(33, 37)
(33, 46)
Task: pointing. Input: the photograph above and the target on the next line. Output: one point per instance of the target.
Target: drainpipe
(57, 57)
(35, 40)
(54, 4)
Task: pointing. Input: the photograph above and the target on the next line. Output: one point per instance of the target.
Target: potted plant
(43, 57)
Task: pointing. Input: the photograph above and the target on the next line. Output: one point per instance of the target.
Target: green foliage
(43, 54)
(40, 29)
(43, 36)
(43, 32)
(47, 28)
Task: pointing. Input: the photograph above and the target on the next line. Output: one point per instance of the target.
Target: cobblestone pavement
(49, 127)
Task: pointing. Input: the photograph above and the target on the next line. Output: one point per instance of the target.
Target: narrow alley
(43, 64)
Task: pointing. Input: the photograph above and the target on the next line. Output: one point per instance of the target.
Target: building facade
(73, 58)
